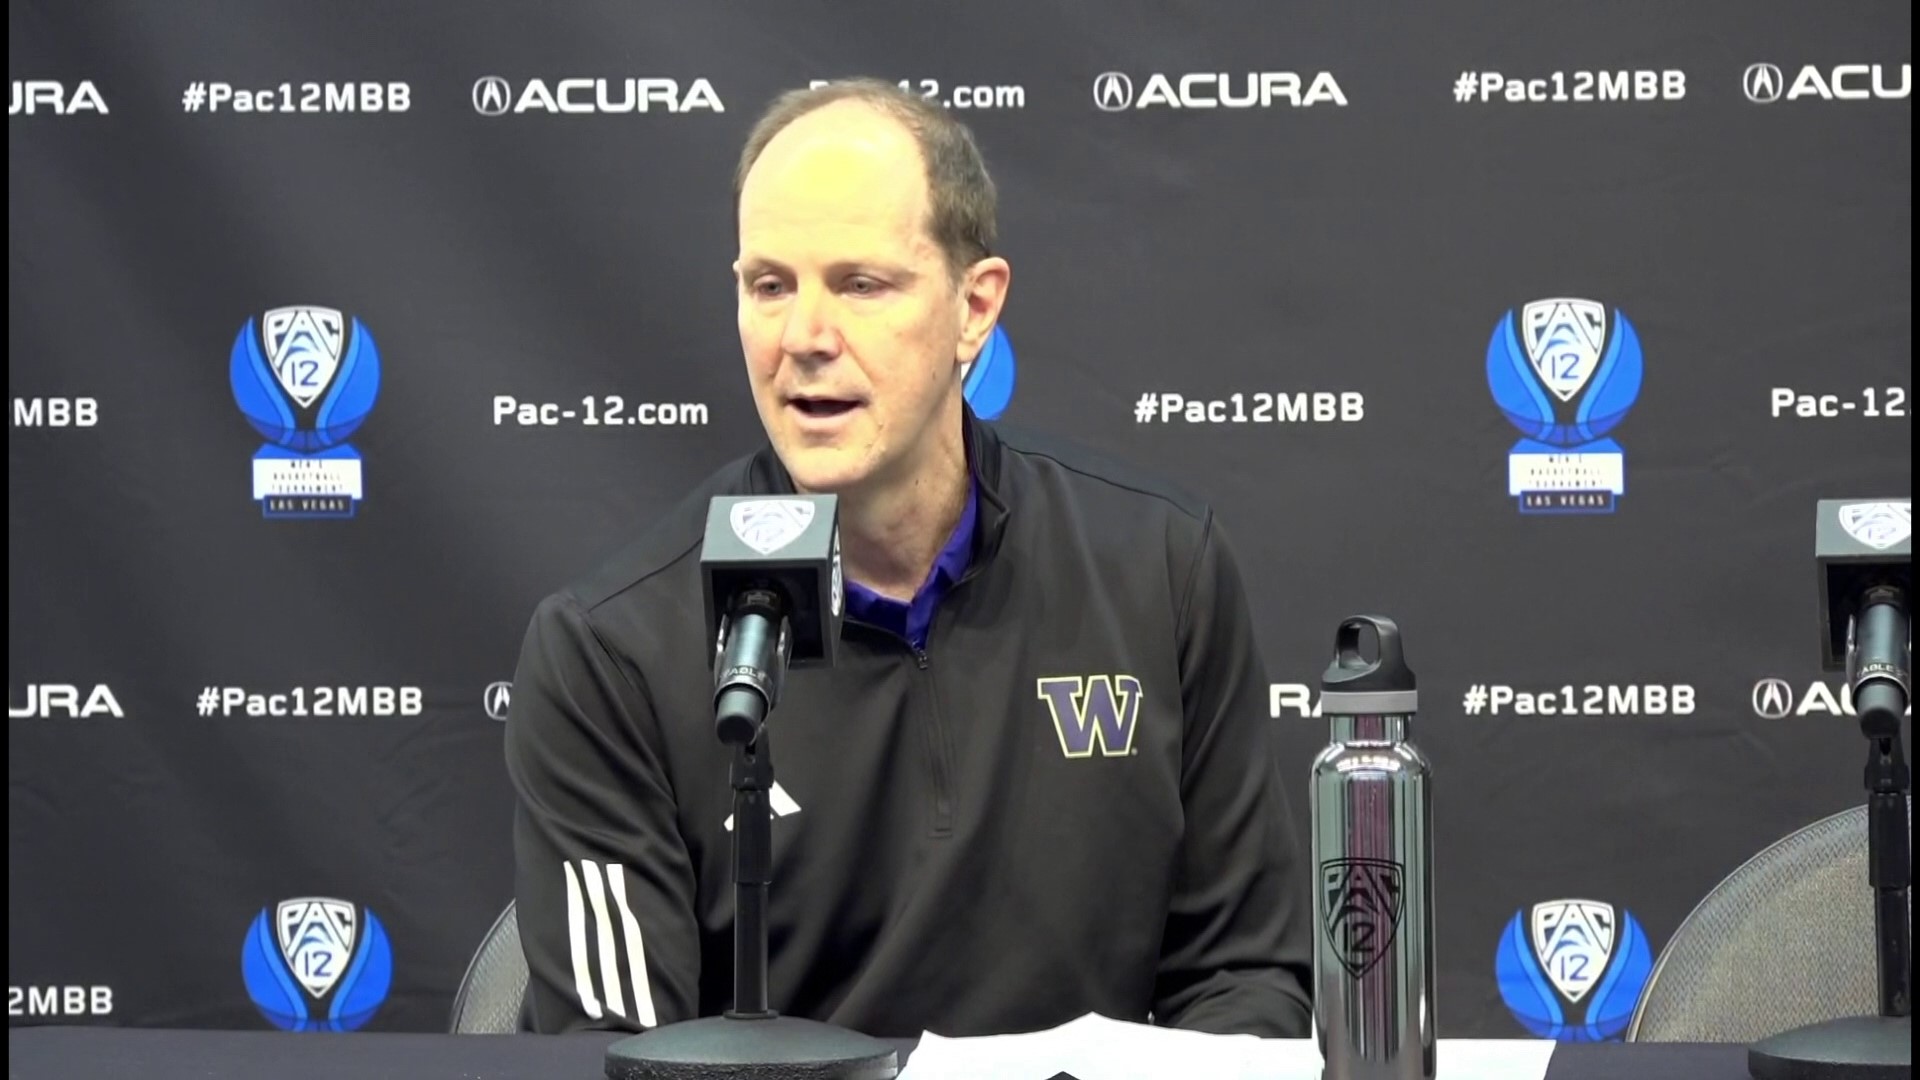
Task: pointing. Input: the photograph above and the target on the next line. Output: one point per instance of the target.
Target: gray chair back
(1786, 940)
(494, 989)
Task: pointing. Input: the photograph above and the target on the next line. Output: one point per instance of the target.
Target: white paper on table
(1454, 1059)
(1495, 1059)
(1095, 1047)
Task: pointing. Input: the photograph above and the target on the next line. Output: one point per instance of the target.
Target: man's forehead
(837, 166)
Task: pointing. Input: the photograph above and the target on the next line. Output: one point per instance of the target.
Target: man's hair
(962, 197)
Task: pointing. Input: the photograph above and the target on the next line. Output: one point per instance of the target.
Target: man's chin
(825, 471)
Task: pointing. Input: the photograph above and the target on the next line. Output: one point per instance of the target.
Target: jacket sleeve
(1236, 954)
(603, 883)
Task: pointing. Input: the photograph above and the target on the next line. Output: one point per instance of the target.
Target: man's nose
(810, 331)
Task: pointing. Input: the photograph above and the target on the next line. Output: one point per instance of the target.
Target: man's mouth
(824, 407)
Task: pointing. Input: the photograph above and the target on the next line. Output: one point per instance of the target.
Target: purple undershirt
(910, 620)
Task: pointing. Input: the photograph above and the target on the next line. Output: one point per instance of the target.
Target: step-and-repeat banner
(1540, 331)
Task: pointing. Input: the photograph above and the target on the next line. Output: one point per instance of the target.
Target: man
(1038, 782)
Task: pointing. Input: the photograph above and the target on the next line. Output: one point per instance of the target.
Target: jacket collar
(767, 475)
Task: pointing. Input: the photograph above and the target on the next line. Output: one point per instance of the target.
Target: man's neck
(891, 536)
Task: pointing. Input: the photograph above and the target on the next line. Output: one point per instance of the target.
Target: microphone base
(1851, 1048)
(726, 1048)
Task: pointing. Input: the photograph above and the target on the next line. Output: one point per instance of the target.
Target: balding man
(1040, 779)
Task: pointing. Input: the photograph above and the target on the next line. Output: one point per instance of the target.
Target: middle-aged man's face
(852, 328)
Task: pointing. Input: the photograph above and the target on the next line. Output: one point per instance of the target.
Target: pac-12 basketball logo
(317, 964)
(1573, 970)
(1565, 374)
(987, 381)
(305, 378)
(1360, 909)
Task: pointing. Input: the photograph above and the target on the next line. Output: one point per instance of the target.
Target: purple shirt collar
(911, 620)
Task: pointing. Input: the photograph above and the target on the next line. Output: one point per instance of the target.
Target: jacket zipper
(937, 756)
(941, 758)
(942, 767)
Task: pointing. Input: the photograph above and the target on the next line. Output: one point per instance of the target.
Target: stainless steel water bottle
(1373, 862)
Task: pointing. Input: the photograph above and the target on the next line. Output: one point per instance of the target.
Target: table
(107, 1053)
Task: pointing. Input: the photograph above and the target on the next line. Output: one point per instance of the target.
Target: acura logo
(1763, 83)
(499, 698)
(491, 96)
(1112, 91)
(1772, 699)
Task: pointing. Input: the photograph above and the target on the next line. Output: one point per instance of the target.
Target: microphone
(770, 567)
(1877, 658)
(1863, 550)
(770, 572)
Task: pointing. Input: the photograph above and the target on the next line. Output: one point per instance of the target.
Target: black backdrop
(1319, 216)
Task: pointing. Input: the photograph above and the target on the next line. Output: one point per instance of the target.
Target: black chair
(493, 992)
(1786, 940)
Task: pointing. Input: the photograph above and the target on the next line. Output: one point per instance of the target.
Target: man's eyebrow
(759, 264)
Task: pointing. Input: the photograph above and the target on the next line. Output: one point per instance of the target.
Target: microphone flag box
(1858, 543)
(787, 543)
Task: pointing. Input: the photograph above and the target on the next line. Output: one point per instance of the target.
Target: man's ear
(982, 295)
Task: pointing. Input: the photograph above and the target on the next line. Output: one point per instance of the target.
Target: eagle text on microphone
(1591, 699)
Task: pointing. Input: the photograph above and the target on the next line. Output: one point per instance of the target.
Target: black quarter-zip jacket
(1069, 802)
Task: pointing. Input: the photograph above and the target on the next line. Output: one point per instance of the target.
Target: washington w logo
(1088, 710)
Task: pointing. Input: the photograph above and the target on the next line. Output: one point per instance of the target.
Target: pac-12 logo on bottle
(1565, 375)
(1361, 902)
(305, 378)
(317, 964)
(1573, 970)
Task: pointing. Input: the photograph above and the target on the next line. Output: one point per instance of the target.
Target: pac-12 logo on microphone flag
(767, 525)
(1565, 374)
(1878, 525)
(317, 964)
(305, 378)
(1573, 970)
(987, 381)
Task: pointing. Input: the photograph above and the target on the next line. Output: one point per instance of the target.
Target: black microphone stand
(1870, 1047)
(750, 1041)
(752, 873)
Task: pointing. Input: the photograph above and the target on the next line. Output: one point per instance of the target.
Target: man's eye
(767, 287)
(863, 286)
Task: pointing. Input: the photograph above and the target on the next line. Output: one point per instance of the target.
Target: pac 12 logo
(987, 380)
(305, 378)
(1565, 374)
(1573, 970)
(317, 964)
(1360, 909)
